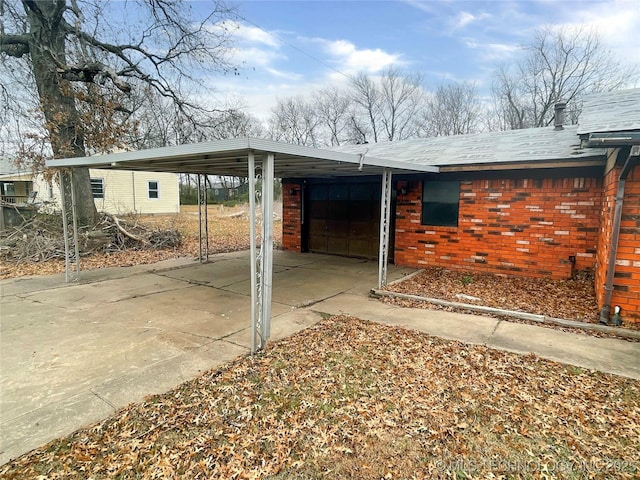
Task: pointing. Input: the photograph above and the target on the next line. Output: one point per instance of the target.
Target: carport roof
(229, 157)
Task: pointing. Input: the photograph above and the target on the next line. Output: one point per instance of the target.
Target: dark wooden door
(344, 219)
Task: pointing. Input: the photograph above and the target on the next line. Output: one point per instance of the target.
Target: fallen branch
(128, 234)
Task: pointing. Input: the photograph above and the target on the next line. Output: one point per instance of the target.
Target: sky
(295, 47)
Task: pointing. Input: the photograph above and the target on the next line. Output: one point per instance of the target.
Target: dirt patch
(353, 399)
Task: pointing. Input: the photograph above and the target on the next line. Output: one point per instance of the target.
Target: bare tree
(334, 108)
(453, 109)
(386, 108)
(557, 65)
(401, 100)
(367, 97)
(75, 56)
(233, 123)
(295, 120)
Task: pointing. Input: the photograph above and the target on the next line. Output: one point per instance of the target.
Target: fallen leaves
(353, 399)
(572, 299)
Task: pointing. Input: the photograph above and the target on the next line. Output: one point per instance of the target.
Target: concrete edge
(624, 333)
(406, 277)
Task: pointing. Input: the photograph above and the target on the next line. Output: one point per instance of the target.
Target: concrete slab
(291, 259)
(26, 432)
(281, 326)
(166, 374)
(113, 338)
(222, 274)
(81, 297)
(39, 283)
(449, 325)
(604, 354)
(70, 354)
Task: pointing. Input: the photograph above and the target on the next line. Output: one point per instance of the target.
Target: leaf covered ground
(353, 399)
(227, 233)
(572, 299)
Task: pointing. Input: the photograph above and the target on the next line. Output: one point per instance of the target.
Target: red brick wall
(525, 227)
(610, 185)
(292, 217)
(626, 283)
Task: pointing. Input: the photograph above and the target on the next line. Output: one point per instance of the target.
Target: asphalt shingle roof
(527, 145)
(610, 112)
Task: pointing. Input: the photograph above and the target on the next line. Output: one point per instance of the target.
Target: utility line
(322, 62)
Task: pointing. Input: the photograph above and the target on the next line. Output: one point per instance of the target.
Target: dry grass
(226, 234)
(353, 399)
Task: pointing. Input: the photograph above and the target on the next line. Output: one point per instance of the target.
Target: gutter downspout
(615, 234)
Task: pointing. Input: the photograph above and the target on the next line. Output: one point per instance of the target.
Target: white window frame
(157, 189)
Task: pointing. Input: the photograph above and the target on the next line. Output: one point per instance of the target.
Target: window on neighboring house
(97, 187)
(154, 189)
(440, 201)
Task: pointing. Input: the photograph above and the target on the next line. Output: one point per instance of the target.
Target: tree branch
(14, 45)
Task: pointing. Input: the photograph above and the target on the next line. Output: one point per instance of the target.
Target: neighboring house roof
(529, 145)
(9, 172)
(7, 167)
(610, 112)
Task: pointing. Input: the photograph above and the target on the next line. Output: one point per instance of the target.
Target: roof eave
(600, 160)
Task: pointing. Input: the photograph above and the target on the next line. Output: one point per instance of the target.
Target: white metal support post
(267, 242)
(385, 218)
(203, 219)
(261, 226)
(255, 307)
(199, 219)
(205, 195)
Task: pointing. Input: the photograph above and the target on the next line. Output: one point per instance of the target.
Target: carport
(261, 161)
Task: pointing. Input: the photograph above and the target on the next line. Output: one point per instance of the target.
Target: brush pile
(41, 238)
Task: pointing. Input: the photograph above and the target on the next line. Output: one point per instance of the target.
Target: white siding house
(114, 191)
(119, 192)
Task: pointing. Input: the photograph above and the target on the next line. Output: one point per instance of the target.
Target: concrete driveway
(71, 354)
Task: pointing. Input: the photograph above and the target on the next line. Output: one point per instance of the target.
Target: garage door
(344, 219)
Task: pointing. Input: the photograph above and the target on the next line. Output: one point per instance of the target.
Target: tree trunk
(47, 49)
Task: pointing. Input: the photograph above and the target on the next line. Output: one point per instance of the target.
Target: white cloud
(349, 59)
(246, 34)
(490, 51)
(253, 57)
(616, 22)
(465, 18)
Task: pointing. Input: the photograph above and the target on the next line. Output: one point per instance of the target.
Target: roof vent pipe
(558, 119)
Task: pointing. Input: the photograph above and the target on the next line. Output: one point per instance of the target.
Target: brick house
(535, 202)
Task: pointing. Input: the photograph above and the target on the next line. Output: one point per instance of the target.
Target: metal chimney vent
(558, 119)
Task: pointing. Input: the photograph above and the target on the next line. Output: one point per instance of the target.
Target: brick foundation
(626, 284)
(527, 227)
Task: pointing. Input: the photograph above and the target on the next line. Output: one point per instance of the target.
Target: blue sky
(294, 47)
